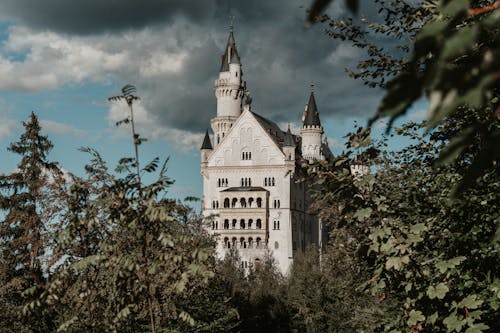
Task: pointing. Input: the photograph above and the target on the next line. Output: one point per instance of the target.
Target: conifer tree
(23, 228)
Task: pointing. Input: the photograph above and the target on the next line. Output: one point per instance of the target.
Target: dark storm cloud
(95, 16)
(280, 57)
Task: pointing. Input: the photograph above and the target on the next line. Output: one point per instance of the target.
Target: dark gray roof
(312, 116)
(230, 50)
(245, 189)
(207, 144)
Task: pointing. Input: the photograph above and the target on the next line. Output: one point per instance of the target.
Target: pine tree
(23, 228)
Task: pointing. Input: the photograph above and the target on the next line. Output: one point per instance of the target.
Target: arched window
(242, 182)
(250, 222)
(233, 203)
(250, 242)
(250, 155)
(217, 204)
(226, 242)
(243, 203)
(273, 181)
(233, 241)
(226, 203)
(258, 224)
(234, 224)
(250, 200)
(259, 202)
(218, 182)
(278, 225)
(213, 225)
(243, 244)
(249, 181)
(242, 224)
(226, 224)
(227, 183)
(257, 242)
(265, 181)
(278, 204)
(243, 156)
(217, 225)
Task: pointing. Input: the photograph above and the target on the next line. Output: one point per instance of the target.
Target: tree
(435, 257)
(24, 229)
(452, 62)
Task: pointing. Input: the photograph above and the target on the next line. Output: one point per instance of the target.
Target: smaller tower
(289, 146)
(229, 88)
(206, 150)
(312, 131)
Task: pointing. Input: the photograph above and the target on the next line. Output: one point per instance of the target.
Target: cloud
(7, 124)
(6, 127)
(97, 16)
(54, 127)
(171, 52)
(148, 127)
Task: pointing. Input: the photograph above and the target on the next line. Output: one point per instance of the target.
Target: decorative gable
(246, 144)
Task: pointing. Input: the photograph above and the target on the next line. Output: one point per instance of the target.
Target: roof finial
(288, 126)
(312, 87)
(231, 25)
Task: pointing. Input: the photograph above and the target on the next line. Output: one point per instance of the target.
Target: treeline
(107, 253)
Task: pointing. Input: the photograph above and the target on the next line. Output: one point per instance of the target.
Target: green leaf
(477, 328)
(452, 323)
(438, 291)
(453, 7)
(415, 317)
(396, 262)
(471, 302)
(363, 213)
(459, 42)
(444, 265)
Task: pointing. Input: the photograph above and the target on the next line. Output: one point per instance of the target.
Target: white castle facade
(252, 198)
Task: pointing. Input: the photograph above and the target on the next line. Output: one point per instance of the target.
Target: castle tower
(289, 146)
(229, 89)
(206, 150)
(312, 131)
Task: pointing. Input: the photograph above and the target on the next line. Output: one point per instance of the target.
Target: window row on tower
(246, 182)
(243, 224)
(243, 243)
(243, 203)
(269, 181)
(222, 182)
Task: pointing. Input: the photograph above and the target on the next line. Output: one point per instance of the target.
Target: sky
(63, 59)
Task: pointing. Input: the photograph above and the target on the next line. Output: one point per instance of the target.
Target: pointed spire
(207, 144)
(230, 53)
(311, 117)
(289, 141)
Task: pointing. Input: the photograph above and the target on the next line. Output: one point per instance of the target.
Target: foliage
(453, 63)
(24, 229)
(437, 258)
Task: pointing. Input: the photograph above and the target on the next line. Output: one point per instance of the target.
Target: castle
(252, 199)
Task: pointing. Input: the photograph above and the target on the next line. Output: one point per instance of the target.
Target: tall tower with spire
(253, 198)
(229, 90)
(311, 131)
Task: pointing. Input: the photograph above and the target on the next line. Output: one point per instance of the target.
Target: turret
(206, 150)
(312, 131)
(229, 89)
(289, 146)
